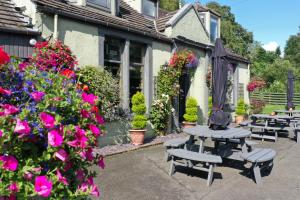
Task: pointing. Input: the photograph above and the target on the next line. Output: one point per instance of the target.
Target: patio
(143, 174)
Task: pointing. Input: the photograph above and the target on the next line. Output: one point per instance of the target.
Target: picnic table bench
(175, 144)
(261, 159)
(194, 160)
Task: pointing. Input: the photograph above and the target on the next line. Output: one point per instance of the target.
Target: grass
(270, 108)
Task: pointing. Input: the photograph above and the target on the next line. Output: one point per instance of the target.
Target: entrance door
(185, 83)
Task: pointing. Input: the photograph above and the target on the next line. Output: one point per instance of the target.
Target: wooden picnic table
(204, 132)
(272, 117)
(288, 112)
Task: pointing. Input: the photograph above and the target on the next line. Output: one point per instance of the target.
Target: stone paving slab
(143, 174)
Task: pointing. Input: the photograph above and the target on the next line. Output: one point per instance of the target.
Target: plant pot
(137, 137)
(239, 119)
(189, 124)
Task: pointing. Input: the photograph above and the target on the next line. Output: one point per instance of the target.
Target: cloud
(271, 46)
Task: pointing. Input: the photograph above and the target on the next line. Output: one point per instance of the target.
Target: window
(202, 17)
(213, 29)
(101, 3)
(149, 8)
(112, 56)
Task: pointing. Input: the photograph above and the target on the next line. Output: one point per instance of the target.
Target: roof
(162, 21)
(236, 57)
(201, 8)
(13, 21)
(130, 20)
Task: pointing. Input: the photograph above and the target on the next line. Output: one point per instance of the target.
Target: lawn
(270, 108)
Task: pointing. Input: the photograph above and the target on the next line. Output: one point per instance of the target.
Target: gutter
(107, 24)
(23, 32)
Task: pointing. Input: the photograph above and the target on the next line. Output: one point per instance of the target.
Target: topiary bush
(191, 110)
(241, 108)
(103, 84)
(139, 109)
(210, 105)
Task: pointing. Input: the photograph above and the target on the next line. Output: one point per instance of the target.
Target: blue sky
(270, 20)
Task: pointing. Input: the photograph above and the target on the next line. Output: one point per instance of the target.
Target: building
(132, 39)
(16, 30)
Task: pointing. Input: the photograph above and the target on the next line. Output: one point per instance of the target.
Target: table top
(205, 131)
(287, 111)
(266, 116)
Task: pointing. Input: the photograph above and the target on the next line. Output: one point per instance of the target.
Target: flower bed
(48, 128)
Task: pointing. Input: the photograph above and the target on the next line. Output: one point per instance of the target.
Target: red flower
(68, 73)
(4, 57)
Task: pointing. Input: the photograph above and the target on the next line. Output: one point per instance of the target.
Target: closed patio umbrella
(219, 119)
(290, 91)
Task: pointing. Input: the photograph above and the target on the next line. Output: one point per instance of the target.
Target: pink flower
(22, 127)
(37, 96)
(13, 187)
(80, 139)
(28, 175)
(87, 155)
(95, 130)
(43, 186)
(23, 66)
(10, 163)
(9, 109)
(1, 133)
(80, 174)
(99, 119)
(55, 139)
(85, 113)
(61, 178)
(4, 91)
(48, 120)
(89, 185)
(61, 154)
(89, 98)
(101, 163)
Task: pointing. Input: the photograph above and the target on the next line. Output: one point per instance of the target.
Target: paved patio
(143, 174)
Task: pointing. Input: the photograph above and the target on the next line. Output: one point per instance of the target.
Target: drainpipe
(55, 32)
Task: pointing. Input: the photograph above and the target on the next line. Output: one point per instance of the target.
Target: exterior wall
(189, 26)
(136, 4)
(161, 54)
(83, 39)
(30, 8)
(244, 77)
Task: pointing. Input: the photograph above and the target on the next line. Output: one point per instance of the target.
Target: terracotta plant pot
(189, 124)
(239, 119)
(137, 137)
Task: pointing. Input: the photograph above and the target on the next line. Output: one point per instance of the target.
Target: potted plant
(139, 121)
(240, 111)
(191, 111)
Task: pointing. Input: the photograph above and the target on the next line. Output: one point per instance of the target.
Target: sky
(271, 21)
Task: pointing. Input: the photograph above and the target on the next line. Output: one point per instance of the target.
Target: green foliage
(168, 81)
(257, 106)
(139, 109)
(169, 5)
(210, 105)
(191, 110)
(234, 35)
(105, 86)
(159, 114)
(292, 49)
(241, 108)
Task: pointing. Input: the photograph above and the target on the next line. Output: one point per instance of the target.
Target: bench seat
(265, 129)
(297, 134)
(260, 158)
(175, 144)
(192, 159)
(245, 123)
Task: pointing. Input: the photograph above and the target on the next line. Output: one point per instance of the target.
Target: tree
(234, 35)
(169, 5)
(292, 49)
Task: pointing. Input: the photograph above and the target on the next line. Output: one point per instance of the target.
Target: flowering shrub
(184, 58)
(257, 106)
(54, 56)
(256, 84)
(159, 114)
(48, 129)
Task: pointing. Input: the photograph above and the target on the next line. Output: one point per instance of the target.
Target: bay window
(213, 29)
(149, 8)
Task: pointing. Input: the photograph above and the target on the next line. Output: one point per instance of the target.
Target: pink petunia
(61, 154)
(61, 178)
(87, 155)
(43, 186)
(13, 188)
(9, 109)
(89, 185)
(89, 98)
(101, 163)
(28, 175)
(80, 139)
(22, 128)
(85, 114)
(4, 91)
(1, 133)
(95, 130)
(10, 163)
(80, 174)
(55, 139)
(37, 96)
(47, 119)
(99, 119)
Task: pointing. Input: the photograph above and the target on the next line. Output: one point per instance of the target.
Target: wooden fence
(275, 98)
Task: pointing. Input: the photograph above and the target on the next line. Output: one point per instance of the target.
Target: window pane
(136, 53)
(112, 49)
(213, 29)
(103, 3)
(149, 8)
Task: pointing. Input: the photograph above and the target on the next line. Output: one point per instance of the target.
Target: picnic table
(237, 134)
(288, 112)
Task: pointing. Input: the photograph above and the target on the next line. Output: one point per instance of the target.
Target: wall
(30, 8)
(244, 77)
(189, 26)
(82, 38)
(161, 55)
